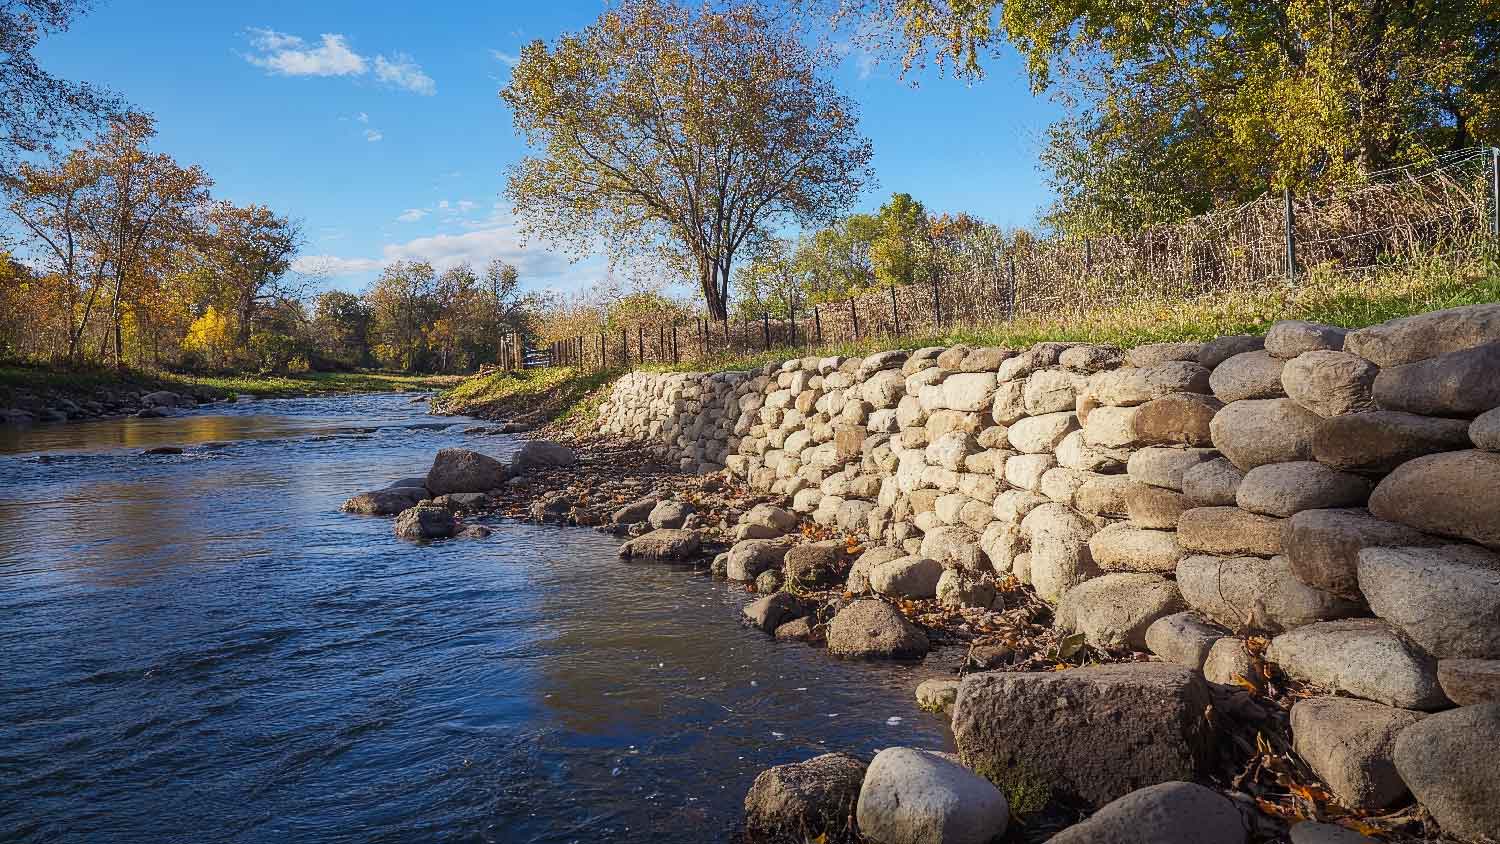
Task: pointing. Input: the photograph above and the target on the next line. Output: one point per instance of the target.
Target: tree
(250, 250)
(400, 307)
(835, 261)
(901, 251)
(1174, 109)
(341, 322)
(37, 108)
(770, 282)
(691, 130)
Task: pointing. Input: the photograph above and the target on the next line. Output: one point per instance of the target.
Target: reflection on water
(201, 647)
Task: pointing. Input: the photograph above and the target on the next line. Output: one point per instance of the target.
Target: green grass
(15, 378)
(568, 394)
(1328, 298)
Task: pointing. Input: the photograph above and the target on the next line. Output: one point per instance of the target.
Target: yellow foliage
(209, 335)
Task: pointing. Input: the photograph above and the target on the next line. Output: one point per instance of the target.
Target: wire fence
(1449, 209)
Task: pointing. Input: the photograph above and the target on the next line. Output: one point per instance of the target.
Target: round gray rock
(1448, 761)
(920, 797)
(1330, 383)
(1284, 489)
(1445, 598)
(805, 799)
(1251, 375)
(1253, 433)
(1169, 813)
(873, 629)
(1452, 494)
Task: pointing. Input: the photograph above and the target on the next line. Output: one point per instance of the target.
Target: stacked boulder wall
(1087, 735)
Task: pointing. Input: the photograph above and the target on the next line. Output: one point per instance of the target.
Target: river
(201, 647)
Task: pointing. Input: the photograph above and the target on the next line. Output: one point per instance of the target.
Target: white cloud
(373, 135)
(403, 72)
(291, 56)
(362, 117)
(411, 215)
(465, 206)
(334, 266)
(505, 58)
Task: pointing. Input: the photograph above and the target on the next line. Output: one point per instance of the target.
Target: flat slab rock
(1091, 734)
(1448, 761)
(1349, 743)
(1445, 598)
(1426, 335)
(1361, 657)
(1167, 813)
(1452, 494)
(665, 544)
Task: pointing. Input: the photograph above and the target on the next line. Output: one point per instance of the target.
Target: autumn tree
(249, 250)
(771, 282)
(1174, 109)
(36, 108)
(341, 323)
(901, 250)
(400, 308)
(693, 130)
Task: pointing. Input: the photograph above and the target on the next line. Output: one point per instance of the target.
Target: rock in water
(921, 797)
(1089, 734)
(873, 629)
(669, 514)
(1168, 813)
(667, 544)
(635, 511)
(384, 502)
(774, 610)
(426, 522)
(805, 800)
(462, 470)
(1448, 761)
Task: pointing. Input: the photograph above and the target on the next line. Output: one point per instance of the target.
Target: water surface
(200, 647)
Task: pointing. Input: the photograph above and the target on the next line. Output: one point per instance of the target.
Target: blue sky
(380, 128)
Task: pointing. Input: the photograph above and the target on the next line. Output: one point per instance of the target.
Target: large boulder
(1448, 761)
(1060, 557)
(1166, 813)
(426, 521)
(1113, 611)
(1253, 433)
(1124, 547)
(1348, 744)
(907, 577)
(1089, 735)
(749, 557)
(1330, 383)
(1323, 546)
(541, 454)
(666, 544)
(1426, 335)
(873, 629)
(669, 514)
(1164, 467)
(462, 470)
(812, 799)
(1452, 494)
(1285, 489)
(1229, 530)
(1363, 657)
(1251, 375)
(1456, 384)
(1176, 419)
(816, 565)
(1446, 599)
(1256, 593)
(385, 502)
(921, 797)
(1379, 441)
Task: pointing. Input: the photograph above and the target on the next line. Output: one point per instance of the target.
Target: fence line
(1449, 209)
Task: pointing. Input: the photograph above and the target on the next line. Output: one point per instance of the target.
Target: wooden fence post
(674, 342)
(818, 325)
(1010, 292)
(765, 327)
(854, 315)
(1291, 237)
(895, 315)
(937, 305)
(640, 344)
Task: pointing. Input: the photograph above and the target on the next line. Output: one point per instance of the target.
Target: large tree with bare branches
(686, 131)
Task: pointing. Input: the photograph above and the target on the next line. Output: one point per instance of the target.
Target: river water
(201, 647)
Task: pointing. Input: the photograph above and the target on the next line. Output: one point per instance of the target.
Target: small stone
(1290, 338)
(1153, 354)
(1164, 467)
(669, 514)
(1252, 375)
(1182, 639)
(954, 545)
(937, 695)
(1114, 611)
(1484, 431)
(1363, 657)
(1456, 384)
(873, 629)
(1284, 489)
(957, 589)
(1330, 383)
(1230, 663)
(1261, 594)
(804, 629)
(1051, 391)
(1218, 350)
(749, 557)
(1452, 494)
(768, 581)
(1448, 761)
(1446, 599)
(921, 797)
(1323, 546)
(810, 799)
(1379, 441)
(1468, 682)
(1090, 358)
(1128, 387)
(1215, 483)
(1167, 813)
(768, 516)
(426, 521)
(1229, 530)
(541, 454)
(1105, 495)
(1253, 433)
(1348, 744)
(774, 610)
(1037, 434)
(1059, 555)
(385, 502)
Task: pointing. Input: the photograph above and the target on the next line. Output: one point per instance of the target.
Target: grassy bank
(571, 394)
(15, 378)
(564, 393)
